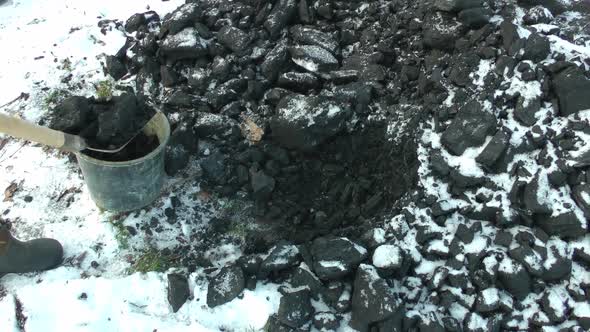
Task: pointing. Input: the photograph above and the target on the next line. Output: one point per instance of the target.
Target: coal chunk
(566, 225)
(571, 87)
(178, 291)
(214, 167)
(304, 122)
(186, 44)
(226, 286)
(116, 125)
(373, 300)
(309, 36)
(313, 58)
(282, 256)
(304, 277)
(295, 308)
(233, 38)
(274, 61)
(115, 67)
(469, 129)
(388, 258)
(494, 150)
(538, 14)
(283, 12)
(326, 321)
(537, 48)
(183, 142)
(301, 82)
(526, 109)
(335, 257)
(183, 17)
(515, 279)
(71, 115)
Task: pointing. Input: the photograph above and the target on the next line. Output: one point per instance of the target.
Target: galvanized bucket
(122, 186)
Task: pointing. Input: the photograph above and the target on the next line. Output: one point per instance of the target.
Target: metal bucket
(122, 186)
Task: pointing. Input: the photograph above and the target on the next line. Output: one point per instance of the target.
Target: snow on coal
(411, 165)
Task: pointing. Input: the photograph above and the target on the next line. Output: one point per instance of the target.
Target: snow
(582, 309)
(484, 68)
(379, 235)
(490, 296)
(136, 303)
(476, 246)
(386, 256)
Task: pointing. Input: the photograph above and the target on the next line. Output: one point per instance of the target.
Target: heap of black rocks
(459, 123)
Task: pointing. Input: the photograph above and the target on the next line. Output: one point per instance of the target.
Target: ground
(52, 48)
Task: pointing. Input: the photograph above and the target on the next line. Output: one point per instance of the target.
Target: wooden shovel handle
(32, 132)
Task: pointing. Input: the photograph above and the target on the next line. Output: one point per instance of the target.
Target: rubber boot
(21, 257)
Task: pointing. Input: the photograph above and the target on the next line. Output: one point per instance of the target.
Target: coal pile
(107, 125)
(418, 165)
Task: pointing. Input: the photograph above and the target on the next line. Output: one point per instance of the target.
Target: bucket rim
(140, 160)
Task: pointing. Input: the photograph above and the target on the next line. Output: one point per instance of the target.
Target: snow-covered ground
(51, 200)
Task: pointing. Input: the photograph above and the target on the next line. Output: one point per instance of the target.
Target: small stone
(283, 12)
(115, 67)
(373, 300)
(526, 110)
(537, 15)
(313, 58)
(184, 16)
(336, 257)
(214, 167)
(571, 87)
(186, 44)
(514, 277)
(309, 36)
(274, 61)
(469, 129)
(566, 225)
(388, 257)
(304, 122)
(281, 256)
(304, 277)
(71, 115)
(537, 48)
(233, 38)
(226, 286)
(178, 290)
(494, 150)
(326, 321)
(295, 309)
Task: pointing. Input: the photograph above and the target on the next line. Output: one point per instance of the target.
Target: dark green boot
(21, 257)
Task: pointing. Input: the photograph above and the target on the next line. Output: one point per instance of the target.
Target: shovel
(54, 138)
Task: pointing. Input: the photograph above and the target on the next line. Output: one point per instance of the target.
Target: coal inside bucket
(121, 186)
